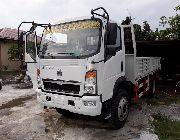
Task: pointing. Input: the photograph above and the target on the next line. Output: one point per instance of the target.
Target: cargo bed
(146, 66)
(139, 67)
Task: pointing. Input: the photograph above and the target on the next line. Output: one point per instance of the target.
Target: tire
(119, 109)
(63, 112)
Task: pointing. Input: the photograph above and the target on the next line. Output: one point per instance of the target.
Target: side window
(118, 44)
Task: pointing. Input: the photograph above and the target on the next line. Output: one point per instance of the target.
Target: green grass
(165, 128)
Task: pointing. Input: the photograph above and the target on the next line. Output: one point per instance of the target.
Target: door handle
(122, 66)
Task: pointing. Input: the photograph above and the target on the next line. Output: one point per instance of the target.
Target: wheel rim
(123, 109)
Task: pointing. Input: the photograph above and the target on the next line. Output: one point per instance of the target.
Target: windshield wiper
(52, 55)
(65, 53)
(70, 53)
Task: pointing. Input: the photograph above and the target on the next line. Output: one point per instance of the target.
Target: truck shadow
(57, 122)
(83, 121)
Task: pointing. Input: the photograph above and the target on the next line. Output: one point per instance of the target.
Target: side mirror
(111, 34)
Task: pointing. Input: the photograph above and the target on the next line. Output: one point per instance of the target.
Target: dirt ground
(22, 118)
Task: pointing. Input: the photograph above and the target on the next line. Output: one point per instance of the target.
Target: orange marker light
(91, 74)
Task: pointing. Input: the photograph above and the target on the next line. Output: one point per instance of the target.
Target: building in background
(8, 38)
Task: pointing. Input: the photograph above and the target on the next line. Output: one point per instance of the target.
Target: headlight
(39, 85)
(90, 82)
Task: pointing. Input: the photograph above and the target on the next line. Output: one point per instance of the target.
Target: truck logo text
(59, 73)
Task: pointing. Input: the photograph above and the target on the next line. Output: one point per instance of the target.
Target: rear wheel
(119, 109)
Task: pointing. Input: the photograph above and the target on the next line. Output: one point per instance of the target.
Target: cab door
(114, 66)
(31, 57)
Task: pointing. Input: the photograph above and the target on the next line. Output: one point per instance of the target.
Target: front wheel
(119, 109)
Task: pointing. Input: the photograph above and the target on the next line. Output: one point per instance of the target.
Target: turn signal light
(91, 74)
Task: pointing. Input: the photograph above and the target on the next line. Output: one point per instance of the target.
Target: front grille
(65, 88)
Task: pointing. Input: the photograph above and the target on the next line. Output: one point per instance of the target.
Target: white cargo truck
(89, 66)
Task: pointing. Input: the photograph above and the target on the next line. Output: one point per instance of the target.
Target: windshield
(80, 38)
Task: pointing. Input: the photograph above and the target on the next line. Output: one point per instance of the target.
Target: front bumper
(73, 104)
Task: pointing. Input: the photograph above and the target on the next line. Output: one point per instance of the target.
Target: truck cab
(78, 66)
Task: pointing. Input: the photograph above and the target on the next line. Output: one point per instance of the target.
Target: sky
(13, 12)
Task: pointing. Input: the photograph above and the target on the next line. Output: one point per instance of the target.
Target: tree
(138, 32)
(146, 27)
(145, 33)
(146, 30)
(13, 52)
(172, 24)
